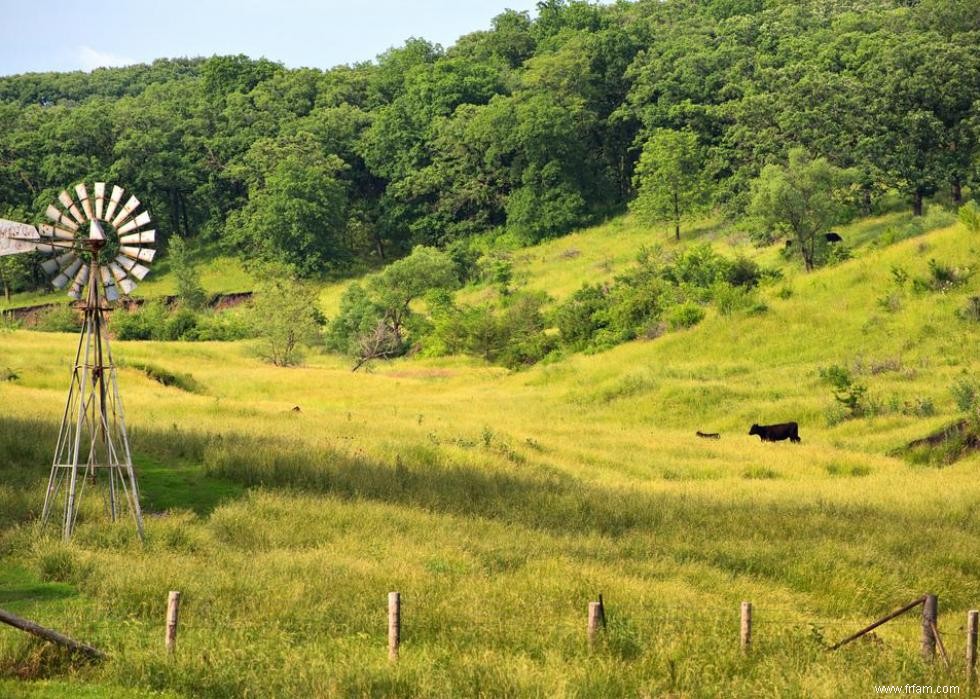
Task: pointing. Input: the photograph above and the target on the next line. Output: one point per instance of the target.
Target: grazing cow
(833, 237)
(777, 433)
(789, 242)
(708, 435)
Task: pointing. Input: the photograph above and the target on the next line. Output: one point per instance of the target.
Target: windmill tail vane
(97, 247)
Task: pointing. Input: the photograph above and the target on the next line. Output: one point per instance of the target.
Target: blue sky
(44, 35)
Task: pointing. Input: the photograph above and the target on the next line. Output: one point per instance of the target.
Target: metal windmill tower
(95, 249)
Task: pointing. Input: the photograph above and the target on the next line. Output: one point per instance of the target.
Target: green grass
(500, 503)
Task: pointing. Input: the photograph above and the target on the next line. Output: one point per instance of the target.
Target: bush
(969, 216)
(971, 311)
(941, 277)
(851, 395)
(966, 394)
(61, 318)
(684, 315)
(514, 337)
(582, 316)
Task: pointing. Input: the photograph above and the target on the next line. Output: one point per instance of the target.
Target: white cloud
(92, 59)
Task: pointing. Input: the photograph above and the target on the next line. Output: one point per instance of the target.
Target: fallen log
(49, 635)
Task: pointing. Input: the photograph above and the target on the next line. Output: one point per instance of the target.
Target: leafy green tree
(670, 179)
(375, 320)
(296, 213)
(15, 273)
(803, 198)
(190, 291)
(285, 314)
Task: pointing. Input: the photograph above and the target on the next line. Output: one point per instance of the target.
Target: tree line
(526, 130)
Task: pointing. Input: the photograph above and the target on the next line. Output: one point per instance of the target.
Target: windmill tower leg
(93, 435)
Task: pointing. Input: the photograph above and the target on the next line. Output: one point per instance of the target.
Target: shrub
(685, 315)
(919, 407)
(581, 316)
(941, 277)
(730, 299)
(969, 216)
(971, 311)
(966, 394)
(60, 318)
(852, 396)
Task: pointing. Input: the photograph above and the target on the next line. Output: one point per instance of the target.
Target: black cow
(789, 242)
(833, 237)
(777, 433)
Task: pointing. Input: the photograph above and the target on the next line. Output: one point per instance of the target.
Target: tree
(670, 178)
(285, 314)
(374, 320)
(297, 207)
(15, 272)
(803, 198)
(189, 289)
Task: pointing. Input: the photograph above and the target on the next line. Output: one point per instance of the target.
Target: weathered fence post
(595, 620)
(173, 612)
(972, 624)
(930, 612)
(394, 624)
(746, 630)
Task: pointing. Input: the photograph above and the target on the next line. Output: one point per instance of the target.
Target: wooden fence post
(173, 612)
(394, 624)
(746, 628)
(972, 624)
(595, 619)
(930, 612)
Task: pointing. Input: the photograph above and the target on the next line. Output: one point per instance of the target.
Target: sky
(63, 35)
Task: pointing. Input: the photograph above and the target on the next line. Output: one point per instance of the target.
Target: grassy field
(500, 503)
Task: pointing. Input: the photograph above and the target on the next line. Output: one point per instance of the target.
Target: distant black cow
(789, 242)
(833, 237)
(777, 433)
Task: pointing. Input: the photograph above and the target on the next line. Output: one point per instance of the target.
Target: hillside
(500, 502)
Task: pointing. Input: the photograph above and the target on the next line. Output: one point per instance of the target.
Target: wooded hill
(528, 129)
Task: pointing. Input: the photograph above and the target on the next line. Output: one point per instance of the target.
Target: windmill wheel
(84, 231)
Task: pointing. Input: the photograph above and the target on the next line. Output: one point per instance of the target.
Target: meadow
(499, 503)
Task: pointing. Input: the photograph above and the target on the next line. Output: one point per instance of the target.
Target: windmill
(96, 246)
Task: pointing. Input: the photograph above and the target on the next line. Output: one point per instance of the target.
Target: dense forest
(529, 129)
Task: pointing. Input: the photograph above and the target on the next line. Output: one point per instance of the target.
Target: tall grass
(500, 503)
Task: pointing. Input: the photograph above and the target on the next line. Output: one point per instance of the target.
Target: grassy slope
(500, 503)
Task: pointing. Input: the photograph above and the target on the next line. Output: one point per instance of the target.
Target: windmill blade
(17, 237)
(55, 215)
(139, 271)
(114, 199)
(108, 284)
(124, 262)
(142, 254)
(78, 283)
(127, 285)
(126, 211)
(99, 198)
(95, 231)
(118, 272)
(72, 269)
(68, 262)
(141, 238)
(141, 220)
(49, 267)
(82, 193)
(69, 203)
